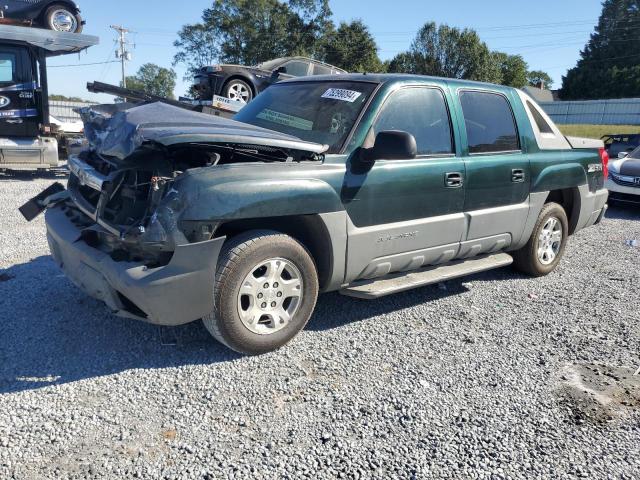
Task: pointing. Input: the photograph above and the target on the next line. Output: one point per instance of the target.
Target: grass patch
(596, 131)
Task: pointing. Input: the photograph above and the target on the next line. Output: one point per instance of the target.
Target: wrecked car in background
(243, 83)
(57, 15)
(367, 184)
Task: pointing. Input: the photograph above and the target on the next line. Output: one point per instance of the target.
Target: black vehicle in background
(58, 15)
(243, 83)
(623, 143)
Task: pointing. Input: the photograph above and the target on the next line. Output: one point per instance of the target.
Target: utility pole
(123, 54)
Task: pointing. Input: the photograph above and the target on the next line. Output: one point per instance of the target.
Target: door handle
(517, 175)
(453, 180)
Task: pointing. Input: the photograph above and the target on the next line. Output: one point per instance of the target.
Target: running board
(400, 282)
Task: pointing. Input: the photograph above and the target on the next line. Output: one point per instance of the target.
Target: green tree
(513, 69)
(449, 52)
(535, 77)
(154, 80)
(253, 31)
(353, 48)
(402, 63)
(609, 63)
(198, 45)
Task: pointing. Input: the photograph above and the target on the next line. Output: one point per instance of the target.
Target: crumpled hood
(119, 130)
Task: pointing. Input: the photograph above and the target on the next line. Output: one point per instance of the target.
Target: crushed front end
(119, 231)
(117, 238)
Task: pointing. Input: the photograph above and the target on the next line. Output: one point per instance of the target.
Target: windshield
(271, 64)
(321, 112)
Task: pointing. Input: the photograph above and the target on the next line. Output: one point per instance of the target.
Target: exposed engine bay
(122, 191)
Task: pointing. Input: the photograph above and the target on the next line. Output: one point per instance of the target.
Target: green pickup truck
(363, 184)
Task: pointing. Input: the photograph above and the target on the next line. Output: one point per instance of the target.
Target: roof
(394, 77)
(55, 43)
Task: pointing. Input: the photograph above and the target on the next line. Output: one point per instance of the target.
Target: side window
(297, 68)
(541, 123)
(8, 66)
(321, 69)
(423, 113)
(489, 121)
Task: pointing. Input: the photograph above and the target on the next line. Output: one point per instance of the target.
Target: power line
(82, 64)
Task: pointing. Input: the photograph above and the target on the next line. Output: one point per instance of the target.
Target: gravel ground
(463, 380)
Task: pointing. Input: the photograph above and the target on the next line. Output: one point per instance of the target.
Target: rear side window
(489, 122)
(541, 123)
(423, 113)
(8, 63)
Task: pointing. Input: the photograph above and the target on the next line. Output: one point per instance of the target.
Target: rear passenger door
(497, 172)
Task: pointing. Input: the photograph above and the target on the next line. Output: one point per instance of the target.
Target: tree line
(250, 32)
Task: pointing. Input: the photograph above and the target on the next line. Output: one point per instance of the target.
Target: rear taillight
(604, 156)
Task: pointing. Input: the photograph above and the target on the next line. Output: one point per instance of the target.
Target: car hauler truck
(26, 142)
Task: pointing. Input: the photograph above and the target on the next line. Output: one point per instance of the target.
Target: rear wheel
(265, 291)
(62, 19)
(237, 89)
(546, 246)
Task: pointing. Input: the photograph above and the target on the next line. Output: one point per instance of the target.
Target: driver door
(405, 214)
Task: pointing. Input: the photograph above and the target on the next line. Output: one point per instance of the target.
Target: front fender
(235, 200)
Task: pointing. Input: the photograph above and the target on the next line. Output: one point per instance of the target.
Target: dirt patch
(599, 393)
(170, 434)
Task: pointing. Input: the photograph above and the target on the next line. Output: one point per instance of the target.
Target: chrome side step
(400, 282)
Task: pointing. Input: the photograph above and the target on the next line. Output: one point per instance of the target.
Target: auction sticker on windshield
(342, 94)
(284, 119)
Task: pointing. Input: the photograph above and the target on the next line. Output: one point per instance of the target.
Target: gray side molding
(336, 225)
(536, 202)
(591, 206)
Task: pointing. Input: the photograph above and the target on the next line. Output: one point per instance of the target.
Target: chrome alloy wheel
(64, 21)
(239, 91)
(270, 296)
(549, 241)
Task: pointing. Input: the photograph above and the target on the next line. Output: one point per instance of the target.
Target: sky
(549, 34)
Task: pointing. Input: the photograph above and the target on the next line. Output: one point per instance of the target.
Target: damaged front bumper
(177, 293)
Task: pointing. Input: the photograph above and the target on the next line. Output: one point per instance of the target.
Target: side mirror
(623, 154)
(392, 145)
(276, 73)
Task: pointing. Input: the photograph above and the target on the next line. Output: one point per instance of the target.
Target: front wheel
(265, 291)
(61, 19)
(546, 246)
(237, 89)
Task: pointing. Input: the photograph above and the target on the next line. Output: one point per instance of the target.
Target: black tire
(239, 257)
(233, 87)
(527, 259)
(48, 17)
